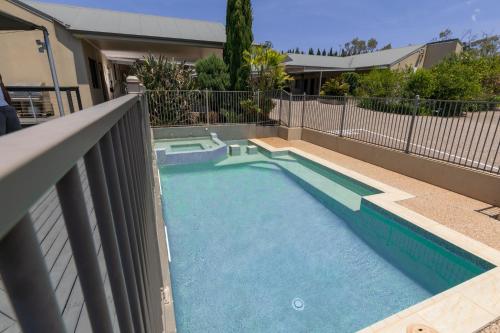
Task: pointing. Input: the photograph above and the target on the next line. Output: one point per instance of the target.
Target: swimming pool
(263, 243)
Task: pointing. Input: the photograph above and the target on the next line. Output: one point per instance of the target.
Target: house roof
(374, 59)
(101, 21)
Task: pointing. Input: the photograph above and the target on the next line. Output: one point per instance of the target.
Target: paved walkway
(456, 211)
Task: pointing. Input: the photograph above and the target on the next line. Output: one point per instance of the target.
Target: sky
(331, 23)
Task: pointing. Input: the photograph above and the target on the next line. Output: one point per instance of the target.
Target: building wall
(438, 51)
(414, 60)
(22, 64)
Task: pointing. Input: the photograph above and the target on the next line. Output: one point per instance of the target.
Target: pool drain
(298, 304)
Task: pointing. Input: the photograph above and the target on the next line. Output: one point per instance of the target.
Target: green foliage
(334, 87)
(159, 73)
(467, 76)
(422, 83)
(212, 73)
(267, 67)
(239, 38)
(381, 83)
(352, 79)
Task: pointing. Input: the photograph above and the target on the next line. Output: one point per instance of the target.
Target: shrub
(334, 87)
(159, 74)
(457, 78)
(381, 83)
(352, 79)
(212, 73)
(422, 83)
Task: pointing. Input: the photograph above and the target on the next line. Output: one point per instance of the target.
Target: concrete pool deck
(468, 307)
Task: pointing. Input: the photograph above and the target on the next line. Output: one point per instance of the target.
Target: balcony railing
(96, 166)
(35, 104)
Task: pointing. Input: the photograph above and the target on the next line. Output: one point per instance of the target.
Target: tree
(330, 53)
(387, 47)
(297, 51)
(323, 53)
(239, 38)
(311, 51)
(212, 73)
(445, 34)
(318, 52)
(267, 66)
(372, 44)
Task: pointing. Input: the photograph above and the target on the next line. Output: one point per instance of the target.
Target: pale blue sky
(330, 23)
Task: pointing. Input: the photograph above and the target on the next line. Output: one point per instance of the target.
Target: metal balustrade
(466, 133)
(113, 140)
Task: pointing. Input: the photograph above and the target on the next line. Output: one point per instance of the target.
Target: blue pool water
(259, 244)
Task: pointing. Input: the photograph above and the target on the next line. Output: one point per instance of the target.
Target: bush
(381, 83)
(334, 87)
(212, 73)
(422, 83)
(352, 79)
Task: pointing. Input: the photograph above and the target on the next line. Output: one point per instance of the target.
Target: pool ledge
(466, 307)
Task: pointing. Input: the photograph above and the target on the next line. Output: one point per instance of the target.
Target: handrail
(113, 140)
(59, 143)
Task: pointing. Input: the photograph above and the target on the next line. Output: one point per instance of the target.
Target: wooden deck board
(51, 232)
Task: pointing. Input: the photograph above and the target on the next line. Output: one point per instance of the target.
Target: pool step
(234, 150)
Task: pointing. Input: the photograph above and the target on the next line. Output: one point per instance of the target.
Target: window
(93, 73)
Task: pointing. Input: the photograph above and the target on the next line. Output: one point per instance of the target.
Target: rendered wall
(224, 132)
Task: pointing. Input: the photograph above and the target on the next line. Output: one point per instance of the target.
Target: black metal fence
(198, 108)
(466, 133)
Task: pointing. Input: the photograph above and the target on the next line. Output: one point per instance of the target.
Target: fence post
(206, 106)
(342, 117)
(412, 123)
(281, 101)
(289, 109)
(303, 108)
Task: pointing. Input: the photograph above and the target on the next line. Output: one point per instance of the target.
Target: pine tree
(330, 53)
(311, 51)
(239, 38)
(297, 51)
(318, 52)
(323, 53)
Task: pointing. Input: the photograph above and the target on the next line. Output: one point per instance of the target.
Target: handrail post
(342, 117)
(290, 109)
(206, 106)
(32, 107)
(412, 123)
(303, 108)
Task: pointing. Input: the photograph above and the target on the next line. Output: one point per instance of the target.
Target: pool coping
(467, 307)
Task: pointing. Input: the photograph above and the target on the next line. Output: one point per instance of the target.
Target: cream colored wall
(413, 60)
(437, 52)
(22, 64)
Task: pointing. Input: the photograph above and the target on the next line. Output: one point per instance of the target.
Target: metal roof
(373, 59)
(101, 21)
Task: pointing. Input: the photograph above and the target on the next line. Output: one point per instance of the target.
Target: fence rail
(113, 142)
(35, 104)
(466, 133)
